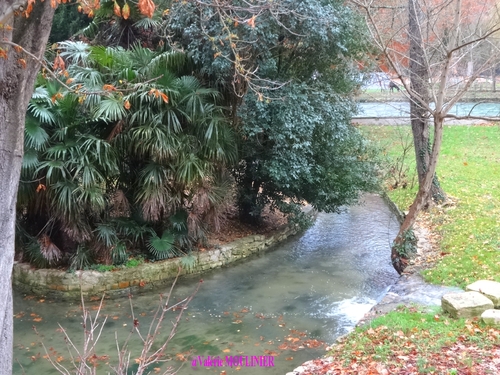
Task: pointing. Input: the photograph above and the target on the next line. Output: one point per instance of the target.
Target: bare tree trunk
(400, 258)
(419, 94)
(17, 76)
(494, 79)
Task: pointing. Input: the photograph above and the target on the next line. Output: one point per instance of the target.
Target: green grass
(469, 171)
(410, 340)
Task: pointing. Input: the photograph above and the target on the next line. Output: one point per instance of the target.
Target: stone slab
(491, 317)
(489, 288)
(466, 304)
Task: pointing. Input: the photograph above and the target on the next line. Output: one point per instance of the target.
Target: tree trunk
(419, 94)
(17, 76)
(426, 166)
(400, 258)
(494, 79)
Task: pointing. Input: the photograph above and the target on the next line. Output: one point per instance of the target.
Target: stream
(280, 304)
(402, 109)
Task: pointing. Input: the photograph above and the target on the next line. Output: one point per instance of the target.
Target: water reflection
(313, 287)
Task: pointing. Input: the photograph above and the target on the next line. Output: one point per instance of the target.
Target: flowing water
(279, 304)
(402, 109)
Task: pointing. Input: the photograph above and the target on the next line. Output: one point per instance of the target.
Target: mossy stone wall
(61, 284)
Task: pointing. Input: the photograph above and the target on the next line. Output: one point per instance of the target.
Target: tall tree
(431, 42)
(287, 69)
(26, 25)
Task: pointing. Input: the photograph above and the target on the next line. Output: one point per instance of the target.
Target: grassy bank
(413, 341)
(469, 172)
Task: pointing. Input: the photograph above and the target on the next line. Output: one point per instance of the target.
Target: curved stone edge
(72, 285)
(393, 207)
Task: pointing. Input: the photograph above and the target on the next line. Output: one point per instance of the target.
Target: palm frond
(119, 253)
(82, 258)
(111, 108)
(106, 234)
(162, 248)
(30, 159)
(75, 52)
(91, 197)
(190, 168)
(153, 193)
(35, 135)
(188, 262)
(147, 23)
(92, 79)
(131, 229)
(154, 142)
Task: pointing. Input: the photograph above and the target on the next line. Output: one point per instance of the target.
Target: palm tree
(133, 158)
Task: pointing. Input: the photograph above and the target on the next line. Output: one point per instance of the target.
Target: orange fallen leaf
(226, 350)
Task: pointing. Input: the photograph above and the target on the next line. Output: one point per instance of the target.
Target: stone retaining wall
(62, 284)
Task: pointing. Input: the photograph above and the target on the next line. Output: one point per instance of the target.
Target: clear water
(315, 286)
(402, 109)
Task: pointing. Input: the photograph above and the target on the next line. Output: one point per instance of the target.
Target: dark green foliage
(81, 259)
(67, 22)
(33, 254)
(300, 145)
(162, 248)
(104, 173)
(119, 253)
(303, 148)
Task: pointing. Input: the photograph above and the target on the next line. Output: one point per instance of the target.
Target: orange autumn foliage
(392, 20)
(146, 7)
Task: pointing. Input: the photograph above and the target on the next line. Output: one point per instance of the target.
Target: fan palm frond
(154, 142)
(153, 193)
(106, 234)
(92, 79)
(162, 247)
(35, 135)
(75, 52)
(147, 23)
(41, 112)
(111, 108)
(30, 159)
(119, 253)
(190, 168)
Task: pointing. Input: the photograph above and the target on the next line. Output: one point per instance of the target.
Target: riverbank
(389, 96)
(233, 246)
(458, 245)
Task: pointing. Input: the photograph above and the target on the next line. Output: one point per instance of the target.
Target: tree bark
(18, 72)
(419, 94)
(399, 259)
(426, 158)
